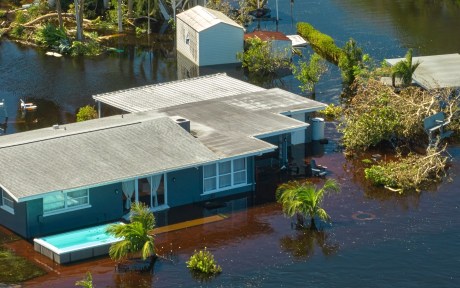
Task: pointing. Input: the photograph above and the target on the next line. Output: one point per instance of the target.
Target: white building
(208, 37)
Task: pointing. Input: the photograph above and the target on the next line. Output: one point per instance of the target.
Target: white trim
(159, 208)
(6, 207)
(66, 208)
(218, 175)
(226, 188)
(307, 110)
(302, 126)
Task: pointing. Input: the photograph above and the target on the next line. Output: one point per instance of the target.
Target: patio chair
(317, 170)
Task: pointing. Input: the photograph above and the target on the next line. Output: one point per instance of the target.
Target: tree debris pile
(377, 115)
(410, 172)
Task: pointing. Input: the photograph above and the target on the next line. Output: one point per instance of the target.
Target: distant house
(281, 44)
(184, 142)
(208, 37)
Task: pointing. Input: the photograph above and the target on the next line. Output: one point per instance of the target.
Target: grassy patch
(15, 269)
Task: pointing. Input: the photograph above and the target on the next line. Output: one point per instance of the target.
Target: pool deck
(188, 224)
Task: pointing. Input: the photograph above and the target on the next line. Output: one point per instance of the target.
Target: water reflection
(423, 25)
(303, 244)
(46, 115)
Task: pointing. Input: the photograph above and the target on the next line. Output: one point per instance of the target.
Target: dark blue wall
(186, 186)
(106, 206)
(16, 222)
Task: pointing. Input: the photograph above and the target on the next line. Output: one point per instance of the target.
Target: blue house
(183, 142)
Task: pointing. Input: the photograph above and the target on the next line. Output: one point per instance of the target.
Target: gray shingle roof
(136, 146)
(201, 18)
(231, 131)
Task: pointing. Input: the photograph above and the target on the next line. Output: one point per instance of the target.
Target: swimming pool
(76, 245)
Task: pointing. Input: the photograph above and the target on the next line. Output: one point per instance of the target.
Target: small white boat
(27, 106)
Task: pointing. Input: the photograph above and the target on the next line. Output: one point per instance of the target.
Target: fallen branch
(52, 15)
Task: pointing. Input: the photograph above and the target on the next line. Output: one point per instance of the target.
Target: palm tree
(404, 69)
(136, 235)
(304, 199)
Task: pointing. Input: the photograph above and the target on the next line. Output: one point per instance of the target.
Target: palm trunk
(153, 259)
(59, 11)
(300, 221)
(313, 225)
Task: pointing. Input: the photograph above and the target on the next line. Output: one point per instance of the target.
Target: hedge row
(324, 44)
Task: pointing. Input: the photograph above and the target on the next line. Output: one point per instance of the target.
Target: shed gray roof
(96, 151)
(201, 18)
(437, 71)
(158, 96)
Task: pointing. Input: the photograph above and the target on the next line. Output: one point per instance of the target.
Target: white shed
(208, 37)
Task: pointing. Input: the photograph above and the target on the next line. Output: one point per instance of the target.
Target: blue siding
(16, 222)
(186, 186)
(106, 206)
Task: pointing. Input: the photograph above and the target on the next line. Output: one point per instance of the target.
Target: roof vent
(182, 122)
(56, 126)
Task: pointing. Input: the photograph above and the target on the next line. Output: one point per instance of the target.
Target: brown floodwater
(377, 238)
(372, 229)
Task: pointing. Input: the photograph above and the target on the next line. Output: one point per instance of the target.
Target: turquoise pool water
(78, 239)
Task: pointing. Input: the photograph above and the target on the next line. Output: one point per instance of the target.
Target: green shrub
(88, 48)
(2, 13)
(86, 113)
(203, 262)
(259, 58)
(331, 112)
(21, 17)
(17, 31)
(50, 36)
(379, 176)
(323, 43)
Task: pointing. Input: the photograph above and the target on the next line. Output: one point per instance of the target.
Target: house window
(65, 201)
(224, 175)
(7, 202)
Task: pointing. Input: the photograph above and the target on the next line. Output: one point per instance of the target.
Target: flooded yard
(377, 238)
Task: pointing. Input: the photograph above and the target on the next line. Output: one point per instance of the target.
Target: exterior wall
(186, 68)
(298, 137)
(220, 44)
(106, 205)
(188, 50)
(16, 222)
(186, 186)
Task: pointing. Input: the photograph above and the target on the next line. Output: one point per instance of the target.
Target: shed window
(224, 175)
(65, 201)
(187, 39)
(7, 202)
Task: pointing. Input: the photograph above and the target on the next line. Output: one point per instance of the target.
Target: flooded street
(377, 238)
